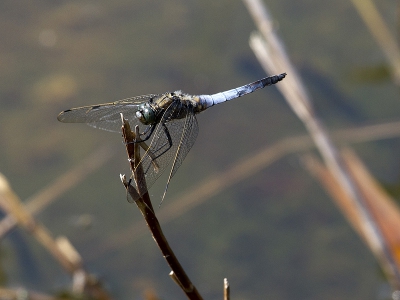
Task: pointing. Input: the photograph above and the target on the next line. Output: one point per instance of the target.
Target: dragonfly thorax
(167, 106)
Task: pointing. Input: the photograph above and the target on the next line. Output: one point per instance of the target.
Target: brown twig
(145, 207)
(226, 290)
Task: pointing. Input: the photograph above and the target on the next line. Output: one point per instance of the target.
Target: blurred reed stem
(240, 170)
(270, 52)
(380, 31)
(69, 260)
(59, 186)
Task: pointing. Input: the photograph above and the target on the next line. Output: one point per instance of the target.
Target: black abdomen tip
(279, 77)
(274, 79)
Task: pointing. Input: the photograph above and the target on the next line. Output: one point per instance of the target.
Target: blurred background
(276, 234)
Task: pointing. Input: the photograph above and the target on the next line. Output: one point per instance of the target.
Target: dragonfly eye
(146, 115)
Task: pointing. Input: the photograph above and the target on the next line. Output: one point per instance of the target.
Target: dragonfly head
(146, 114)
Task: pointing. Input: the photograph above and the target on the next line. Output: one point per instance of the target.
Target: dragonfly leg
(150, 128)
(166, 131)
(152, 153)
(145, 147)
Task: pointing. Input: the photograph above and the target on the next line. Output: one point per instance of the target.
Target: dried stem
(242, 169)
(380, 31)
(10, 203)
(270, 52)
(67, 181)
(146, 208)
(382, 207)
(226, 290)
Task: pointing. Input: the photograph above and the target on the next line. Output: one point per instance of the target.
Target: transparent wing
(171, 142)
(106, 116)
(187, 139)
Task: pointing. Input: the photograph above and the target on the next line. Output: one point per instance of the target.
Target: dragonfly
(167, 124)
